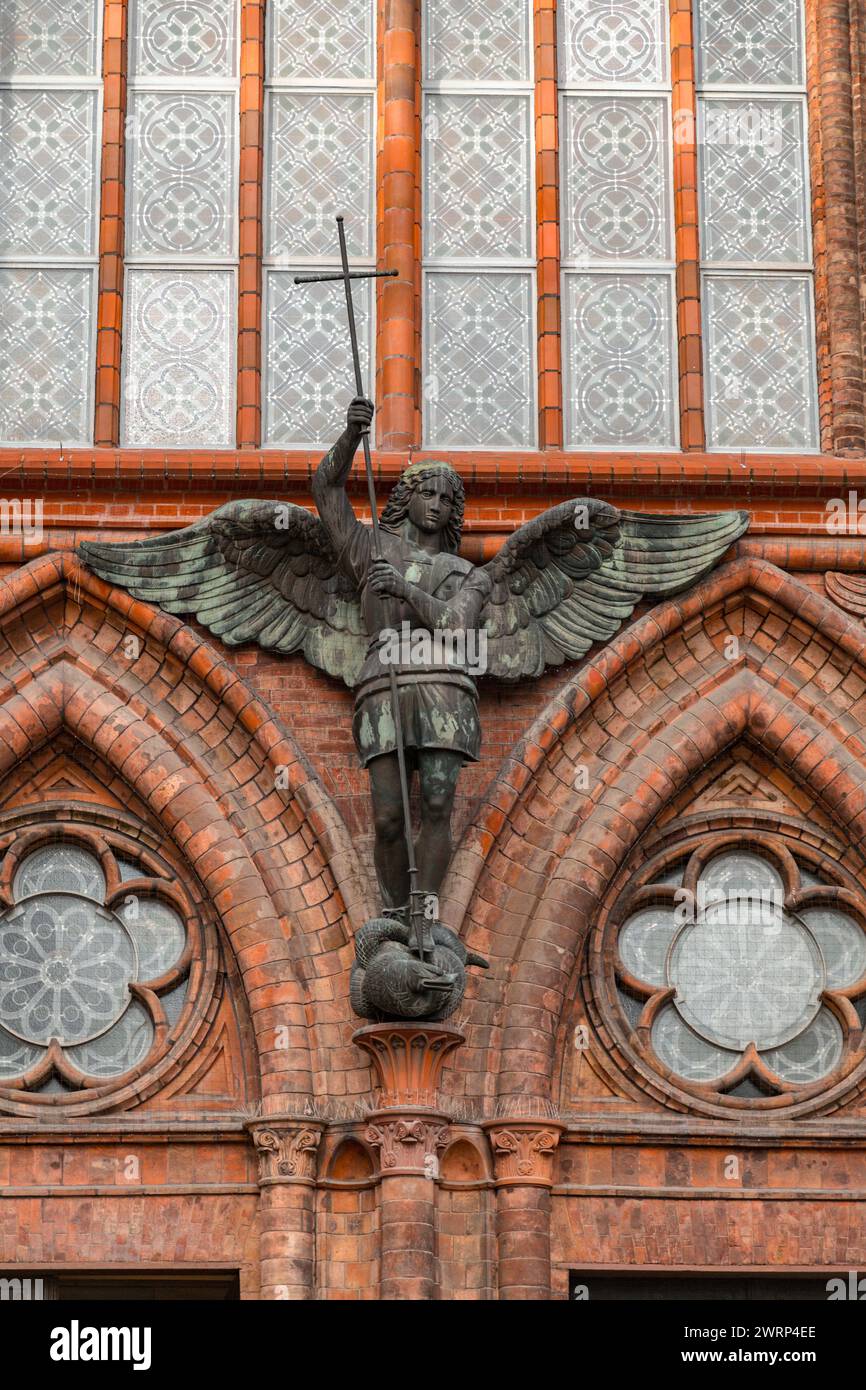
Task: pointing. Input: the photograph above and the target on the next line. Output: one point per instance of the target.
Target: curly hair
(397, 507)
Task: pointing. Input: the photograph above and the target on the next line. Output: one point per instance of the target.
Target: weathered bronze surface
(277, 574)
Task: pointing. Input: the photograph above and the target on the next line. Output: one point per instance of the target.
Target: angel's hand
(386, 582)
(359, 415)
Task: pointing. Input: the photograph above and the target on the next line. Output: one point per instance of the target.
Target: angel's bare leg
(392, 865)
(438, 770)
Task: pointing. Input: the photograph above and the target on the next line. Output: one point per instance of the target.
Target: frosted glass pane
(60, 868)
(615, 181)
(755, 43)
(158, 933)
(474, 40)
(760, 358)
(644, 942)
(754, 204)
(124, 1045)
(319, 163)
(65, 967)
(180, 196)
(613, 41)
(183, 38)
(619, 371)
(320, 39)
(47, 173)
(16, 1056)
(49, 38)
(812, 1055)
(743, 875)
(842, 942)
(309, 380)
(479, 369)
(45, 362)
(746, 976)
(685, 1053)
(477, 195)
(179, 358)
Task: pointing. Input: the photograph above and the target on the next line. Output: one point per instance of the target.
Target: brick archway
(195, 745)
(642, 718)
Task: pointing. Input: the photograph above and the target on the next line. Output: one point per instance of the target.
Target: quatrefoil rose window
(744, 973)
(94, 957)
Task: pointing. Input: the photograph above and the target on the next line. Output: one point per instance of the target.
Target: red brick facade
(258, 1140)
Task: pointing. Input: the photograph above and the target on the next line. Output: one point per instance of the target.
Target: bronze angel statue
(293, 580)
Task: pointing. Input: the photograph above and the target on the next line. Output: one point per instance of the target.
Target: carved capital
(407, 1144)
(286, 1150)
(523, 1151)
(408, 1059)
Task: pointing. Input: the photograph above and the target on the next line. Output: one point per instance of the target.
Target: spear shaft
(416, 915)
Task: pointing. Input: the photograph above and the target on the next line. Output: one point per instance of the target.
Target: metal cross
(423, 943)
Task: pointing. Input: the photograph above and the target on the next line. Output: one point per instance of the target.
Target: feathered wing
(573, 575)
(252, 571)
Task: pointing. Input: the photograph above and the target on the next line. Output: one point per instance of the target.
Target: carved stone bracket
(286, 1150)
(523, 1151)
(408, 1061)
(408, 1144)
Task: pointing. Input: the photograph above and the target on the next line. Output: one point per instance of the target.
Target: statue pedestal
(408, 1058)
(409, 1130)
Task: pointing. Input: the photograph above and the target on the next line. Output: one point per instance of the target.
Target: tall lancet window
(50, 107)
(320, 160)
(478, 224)
(181, 229)
(619, 330)
(759, 335)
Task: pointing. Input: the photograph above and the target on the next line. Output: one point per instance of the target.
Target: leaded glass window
(617, 225)
(181, 224)
(478, 379)
(755, 225)
(50, 105)
(747, 973)
(89, 969)
(320, 71)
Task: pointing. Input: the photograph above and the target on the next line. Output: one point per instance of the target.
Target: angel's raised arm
(349, 537)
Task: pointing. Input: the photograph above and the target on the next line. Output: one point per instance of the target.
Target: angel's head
(431, 496)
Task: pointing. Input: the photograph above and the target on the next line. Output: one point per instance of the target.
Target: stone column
(408, 1130)
(523, 1158)
(287, 1148)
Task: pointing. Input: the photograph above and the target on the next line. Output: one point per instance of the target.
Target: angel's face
(431, 503)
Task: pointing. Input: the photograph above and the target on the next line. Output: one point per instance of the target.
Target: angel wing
(573, 575)
(252, 571)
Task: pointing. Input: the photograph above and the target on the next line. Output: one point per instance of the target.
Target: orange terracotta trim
(688, 277)
(252, 84)
(106, 424)
(398, 199)
(550, 425)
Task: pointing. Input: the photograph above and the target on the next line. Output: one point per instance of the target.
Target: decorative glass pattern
(759, 347)
(309, 366)
(477, 189)
(319, 163)
(756, 43)
(178, 336)
(754, 181)
(316, 40)
(475, 41)
(619, 370)
(49, 38)
(180, 175)
(613, 41)
(45, 354)
(48, 163)
(477, 379)
(183, 38)
(746, 971)
(67, 963)
(615, 186)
